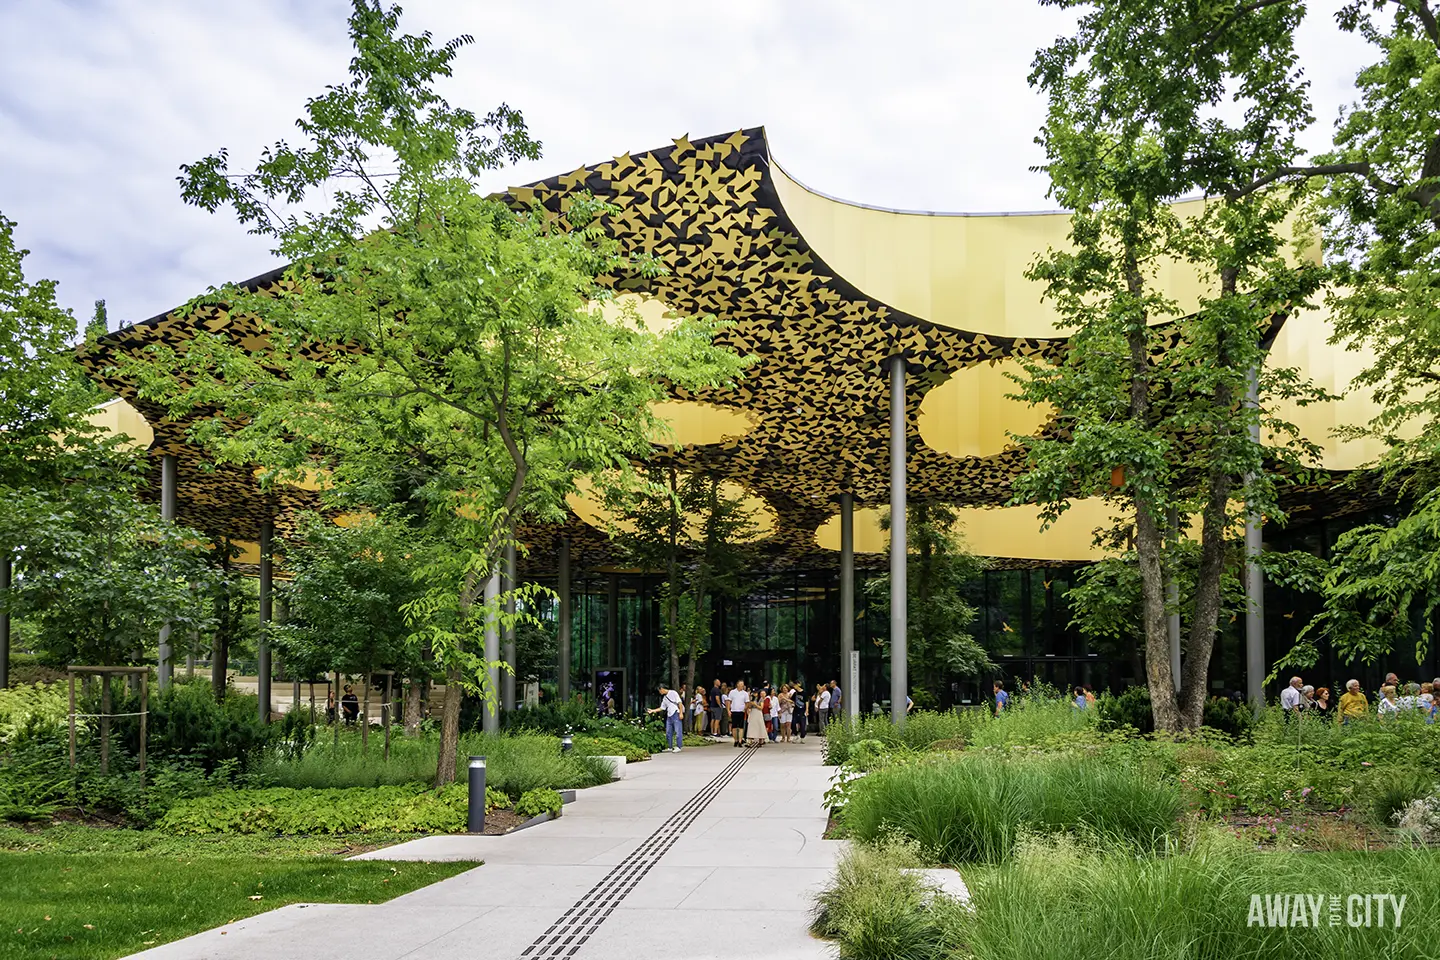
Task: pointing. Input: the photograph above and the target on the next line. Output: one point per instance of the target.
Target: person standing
(697, 709)
(802, 702)
(835, 701)
(1290, 697)
(772, 713)
(350, 706)
(754, 724)
(738, 701)
(787, 712)
(822, 707)
(1002, 699)
(1322, 702)
(674, 708)
(717, 706)
(1353, 704)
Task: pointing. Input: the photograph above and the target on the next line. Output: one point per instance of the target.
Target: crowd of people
(1392, 699)
(773, 713)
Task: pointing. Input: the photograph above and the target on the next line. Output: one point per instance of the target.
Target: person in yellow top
(1352, 702)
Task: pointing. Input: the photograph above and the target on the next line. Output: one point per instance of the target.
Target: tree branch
(1320, 170)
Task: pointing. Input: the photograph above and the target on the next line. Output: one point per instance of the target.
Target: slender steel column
(1172, 597)
(169, 490)
(267, 533)
(507, 678)
(5, 573)
(563, 589)
(899, 620)
(490, 719)
(612, 623)
(1254, 577)
(849, 678)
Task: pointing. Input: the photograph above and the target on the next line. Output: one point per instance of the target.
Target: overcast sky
(903, 103)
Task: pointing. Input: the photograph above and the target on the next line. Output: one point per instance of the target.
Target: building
(876, 332)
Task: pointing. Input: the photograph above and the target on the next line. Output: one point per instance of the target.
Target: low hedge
(287, 810)
(536, 802)
(610, 747)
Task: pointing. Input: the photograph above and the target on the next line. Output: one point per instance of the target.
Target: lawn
(80, 893)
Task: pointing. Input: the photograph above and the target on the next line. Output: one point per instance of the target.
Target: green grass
(973, 809)
(98, 905)
(71, 838)
(1064, 900)
(515, 763)
(1070, 903)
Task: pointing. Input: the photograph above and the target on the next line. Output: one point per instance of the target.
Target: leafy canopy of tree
(425, 330)
(939, 640)
(701, 535)
(1148, 104)
(1382, 232)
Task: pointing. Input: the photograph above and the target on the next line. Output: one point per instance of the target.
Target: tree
(423, 329)
(347, 591)
(700, 535)
(1146, 105)
(1381, 216)
(940, 643)
(99, 570)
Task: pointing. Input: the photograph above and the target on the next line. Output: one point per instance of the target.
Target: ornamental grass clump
(972, 809)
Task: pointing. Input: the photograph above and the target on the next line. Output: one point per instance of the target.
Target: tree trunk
(449, 729)
(1148, 532)
(220, 648)
(365, 715)
(412, 707)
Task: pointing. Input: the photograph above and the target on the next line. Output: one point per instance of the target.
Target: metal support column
(612, 623)
(1254, 577)
(562, 588)
(507, 678)
(267, 533)
(899, 621)
(1172, 597)
(169, 490)
(490, 717)
(5, 573)
(849, 676)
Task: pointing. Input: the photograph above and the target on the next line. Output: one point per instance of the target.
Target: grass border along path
(86, 894)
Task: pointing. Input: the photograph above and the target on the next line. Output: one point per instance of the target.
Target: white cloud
(916, 105)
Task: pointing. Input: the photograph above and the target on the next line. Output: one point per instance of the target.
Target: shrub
(873, 909)
(1385, 794)
(1129, 709)
(536, 802)
(495, 799)
(38, 709)
(285, 811)
(970, 809)
(1228, 716)
(921, 729)
(610, 747)
(1066, 901)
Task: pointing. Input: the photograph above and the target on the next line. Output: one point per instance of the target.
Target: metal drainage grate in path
(568, 934)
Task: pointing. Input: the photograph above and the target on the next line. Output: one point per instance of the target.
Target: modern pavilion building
(882, 340)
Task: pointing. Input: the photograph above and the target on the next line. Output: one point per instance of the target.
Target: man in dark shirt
(350, 706)
(717, 707)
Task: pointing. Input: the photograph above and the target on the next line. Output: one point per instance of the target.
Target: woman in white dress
(787, 713)
(754, 724)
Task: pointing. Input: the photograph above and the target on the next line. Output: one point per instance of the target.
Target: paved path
(688, 852)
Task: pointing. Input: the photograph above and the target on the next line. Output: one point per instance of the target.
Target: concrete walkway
(688, 852)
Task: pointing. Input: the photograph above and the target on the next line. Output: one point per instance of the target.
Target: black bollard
(476, 821)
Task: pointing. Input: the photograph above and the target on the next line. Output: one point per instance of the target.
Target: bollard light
(476, 821)
(567, 742)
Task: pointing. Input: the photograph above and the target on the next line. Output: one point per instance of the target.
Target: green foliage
(876, 911)
(1384, 795)
(647, 734)
(1073, 901)
(1227, 716)
(514, 764)
(1146, 106)
(973, 809)
(187, 725)
(282, 810)
(1130, 708)
(939, 637)
(36, 707)
(610, 747)
(496, 799)
(480, 377)
(921, 729)
(532, 803)
(346, 590)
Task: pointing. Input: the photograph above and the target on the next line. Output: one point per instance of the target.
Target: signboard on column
(851, 694)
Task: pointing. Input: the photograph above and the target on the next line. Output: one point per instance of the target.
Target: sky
(910, 104)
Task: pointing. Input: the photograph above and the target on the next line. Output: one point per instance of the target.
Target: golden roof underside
(816, 395)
